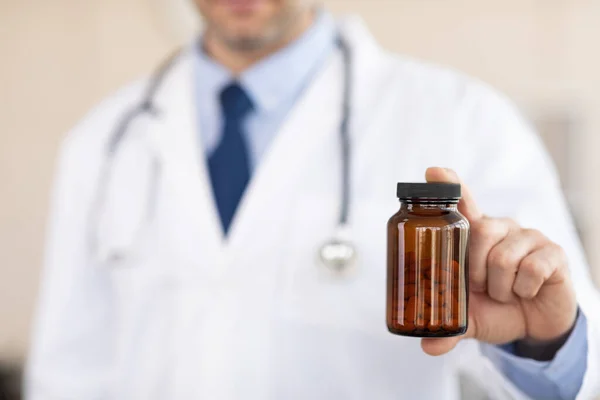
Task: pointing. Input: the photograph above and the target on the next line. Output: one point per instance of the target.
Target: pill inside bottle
(427, 262)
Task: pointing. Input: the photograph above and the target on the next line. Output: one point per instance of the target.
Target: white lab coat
(180, 314)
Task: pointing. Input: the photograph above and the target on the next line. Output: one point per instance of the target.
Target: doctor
(183, 255)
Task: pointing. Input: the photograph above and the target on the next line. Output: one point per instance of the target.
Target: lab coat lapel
(314, 119)
(187, 183)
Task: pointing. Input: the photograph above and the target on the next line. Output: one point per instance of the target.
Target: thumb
(441, 346)
(467, 205)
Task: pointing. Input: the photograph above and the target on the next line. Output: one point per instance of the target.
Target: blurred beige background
(59, 57)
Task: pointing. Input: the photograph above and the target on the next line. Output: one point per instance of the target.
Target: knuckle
(536, 235)
(501, 260)
(531, 232)
(532, 267)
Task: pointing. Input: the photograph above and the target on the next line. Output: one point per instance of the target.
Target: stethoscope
(337, 254)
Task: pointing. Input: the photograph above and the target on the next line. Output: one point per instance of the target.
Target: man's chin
(247, 40)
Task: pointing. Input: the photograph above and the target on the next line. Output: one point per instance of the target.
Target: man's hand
(520, 287)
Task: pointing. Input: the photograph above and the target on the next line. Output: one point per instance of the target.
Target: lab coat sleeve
(511, 175)
(70, 357)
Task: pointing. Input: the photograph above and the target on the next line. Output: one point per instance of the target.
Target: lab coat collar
(177, 141)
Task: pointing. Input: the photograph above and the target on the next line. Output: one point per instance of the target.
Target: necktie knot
(235, 102)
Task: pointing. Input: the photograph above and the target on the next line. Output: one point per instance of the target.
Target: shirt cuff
(560, 378)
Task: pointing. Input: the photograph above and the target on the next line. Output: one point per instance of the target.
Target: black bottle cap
(428, 191)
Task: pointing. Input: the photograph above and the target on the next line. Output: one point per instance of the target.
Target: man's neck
(239, 60)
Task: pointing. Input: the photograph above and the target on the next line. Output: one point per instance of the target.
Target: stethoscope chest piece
(338, 255)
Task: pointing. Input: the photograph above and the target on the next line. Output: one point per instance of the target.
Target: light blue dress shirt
(560, 378)
(274, 85)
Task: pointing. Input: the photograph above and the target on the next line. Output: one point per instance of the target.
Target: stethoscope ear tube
(145, 106)
(125, 204)
(345, 142)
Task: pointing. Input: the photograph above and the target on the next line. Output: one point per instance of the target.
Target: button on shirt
(274, 85)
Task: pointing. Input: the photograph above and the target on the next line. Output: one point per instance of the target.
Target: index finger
(467, 205)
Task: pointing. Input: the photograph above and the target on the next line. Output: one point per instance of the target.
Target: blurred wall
(59, 57)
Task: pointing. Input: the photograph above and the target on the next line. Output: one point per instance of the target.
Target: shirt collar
(281, 75)
(211, 76)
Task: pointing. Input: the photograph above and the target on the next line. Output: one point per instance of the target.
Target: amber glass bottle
(427, 262)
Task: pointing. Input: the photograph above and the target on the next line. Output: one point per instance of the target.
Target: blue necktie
(229, 165)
